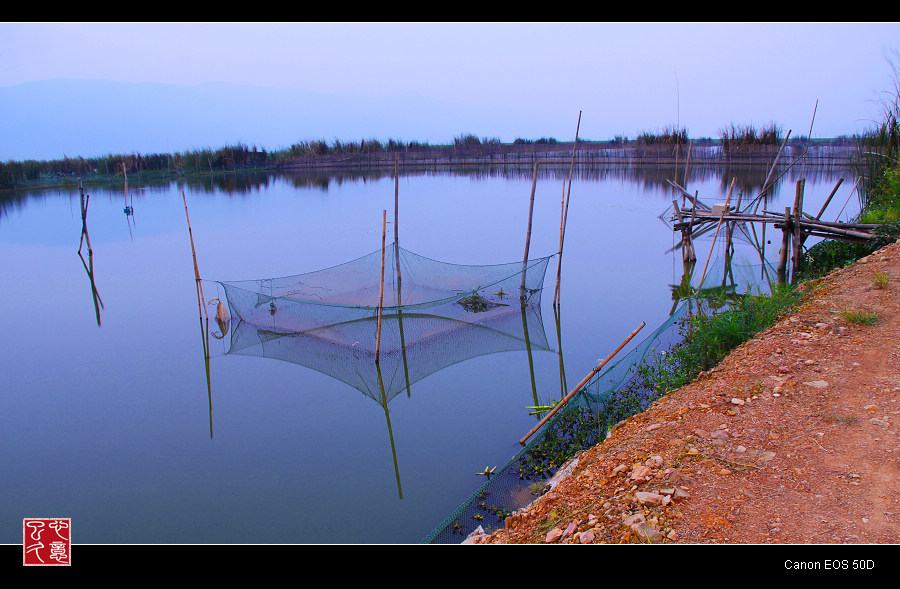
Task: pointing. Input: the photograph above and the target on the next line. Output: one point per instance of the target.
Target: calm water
(105, 409)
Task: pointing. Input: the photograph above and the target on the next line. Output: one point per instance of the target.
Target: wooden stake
(798, 233)
(581, 384)
(785, 244)
(381, 293)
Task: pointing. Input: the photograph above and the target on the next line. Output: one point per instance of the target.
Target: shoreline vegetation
(736, 146)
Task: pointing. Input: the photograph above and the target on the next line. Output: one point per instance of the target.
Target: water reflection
(141, 446)
(89, 264)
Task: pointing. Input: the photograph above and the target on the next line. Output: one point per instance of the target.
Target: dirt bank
(792, 439)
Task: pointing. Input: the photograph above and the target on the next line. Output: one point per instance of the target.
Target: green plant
(859, 317)
(880, 280)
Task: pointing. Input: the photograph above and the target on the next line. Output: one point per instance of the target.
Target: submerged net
(431, 314)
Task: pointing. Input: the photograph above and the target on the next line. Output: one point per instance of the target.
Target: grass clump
(859, 317)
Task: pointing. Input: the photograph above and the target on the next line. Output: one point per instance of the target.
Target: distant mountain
(68, 117)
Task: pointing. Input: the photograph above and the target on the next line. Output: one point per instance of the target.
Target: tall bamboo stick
(528, 234)
(200, 297)
(581, 384)
(565, 214)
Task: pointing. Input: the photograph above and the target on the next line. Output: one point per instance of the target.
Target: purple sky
(625, 77)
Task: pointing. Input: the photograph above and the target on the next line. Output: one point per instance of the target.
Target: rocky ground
(792, 439)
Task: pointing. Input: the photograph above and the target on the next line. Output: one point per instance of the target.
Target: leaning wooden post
(200, 297)
(581, 384)
(528, 234)
(381, 292)
(830, 196)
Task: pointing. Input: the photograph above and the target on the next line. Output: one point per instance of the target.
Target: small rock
(553, 535)
(648, 498)
(586, 537)
(819, 384)
(647, 533)
(640, 472)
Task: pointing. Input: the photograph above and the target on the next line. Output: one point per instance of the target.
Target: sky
(626, 77)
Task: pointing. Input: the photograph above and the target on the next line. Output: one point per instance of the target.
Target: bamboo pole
(565, 214)
(765, 187)
(381, 293)
(830, 196)
(716, 236)
(855, 186)
(528, 234)
(581, 384)
(200, 297)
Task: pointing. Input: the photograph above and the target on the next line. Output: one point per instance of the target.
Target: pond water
(109, 416)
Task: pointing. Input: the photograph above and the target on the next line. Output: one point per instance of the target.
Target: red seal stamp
(47, 541)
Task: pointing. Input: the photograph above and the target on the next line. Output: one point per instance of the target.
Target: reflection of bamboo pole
(200, 297)
(581, 384)
(562, 371)
(565, 214)
(387, 417)
(381, 290)
(534, 393)
(528, 232)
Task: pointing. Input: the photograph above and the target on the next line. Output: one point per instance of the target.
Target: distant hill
(67, 117)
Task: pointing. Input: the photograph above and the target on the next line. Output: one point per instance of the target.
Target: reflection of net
(434, 314)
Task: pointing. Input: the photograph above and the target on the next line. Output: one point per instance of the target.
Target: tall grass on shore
(878, 166)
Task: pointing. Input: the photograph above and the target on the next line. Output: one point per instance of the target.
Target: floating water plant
(475, 303)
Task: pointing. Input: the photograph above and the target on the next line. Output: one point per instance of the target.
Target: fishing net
(424, 316)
